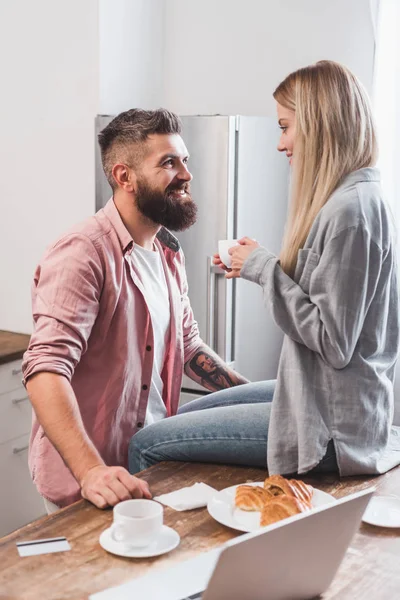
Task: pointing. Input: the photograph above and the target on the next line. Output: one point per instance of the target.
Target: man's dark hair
(129, 129)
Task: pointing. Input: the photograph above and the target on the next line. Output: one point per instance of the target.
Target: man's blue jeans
(226, 427)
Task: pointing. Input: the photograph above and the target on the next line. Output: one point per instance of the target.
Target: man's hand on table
(106, 486)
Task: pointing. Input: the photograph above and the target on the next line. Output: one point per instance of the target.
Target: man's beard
(165, 208)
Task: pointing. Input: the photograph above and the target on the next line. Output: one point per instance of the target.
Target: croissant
(250, 497)
(282, 507)
(277, 485)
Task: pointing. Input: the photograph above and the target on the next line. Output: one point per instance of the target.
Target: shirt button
(139, 424)
(144, 387)
(148, 348)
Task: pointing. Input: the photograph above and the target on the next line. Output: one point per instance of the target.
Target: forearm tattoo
(209, 370)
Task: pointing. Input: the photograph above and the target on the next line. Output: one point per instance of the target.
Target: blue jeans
(226, 427)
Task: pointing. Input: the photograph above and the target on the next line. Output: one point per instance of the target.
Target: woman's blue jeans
(226, 427)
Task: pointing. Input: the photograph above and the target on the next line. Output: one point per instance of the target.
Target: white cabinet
(15, 414)
(20, 503)
(10, 376)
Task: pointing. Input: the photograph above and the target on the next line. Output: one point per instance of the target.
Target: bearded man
(113, 326)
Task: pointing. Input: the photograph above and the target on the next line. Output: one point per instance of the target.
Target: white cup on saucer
(223, 247)
(137, 522)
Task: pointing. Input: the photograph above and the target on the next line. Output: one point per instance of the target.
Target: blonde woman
(334, 290)
(334, 293)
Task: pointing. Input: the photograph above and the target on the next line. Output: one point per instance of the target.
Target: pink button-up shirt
(92, 325)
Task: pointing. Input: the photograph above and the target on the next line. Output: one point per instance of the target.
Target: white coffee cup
(137, 522)
(223, 247)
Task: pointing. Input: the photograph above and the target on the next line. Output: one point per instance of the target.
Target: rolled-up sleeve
(65, 303)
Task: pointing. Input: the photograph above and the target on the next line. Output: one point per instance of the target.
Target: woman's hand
(218, 263)
(239, 254)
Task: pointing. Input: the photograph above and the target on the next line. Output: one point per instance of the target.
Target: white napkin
(187, 498)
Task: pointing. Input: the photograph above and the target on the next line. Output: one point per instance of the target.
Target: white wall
(63, 63)
(227, 56)
(387, 96)
(131, 54)
(48, 101)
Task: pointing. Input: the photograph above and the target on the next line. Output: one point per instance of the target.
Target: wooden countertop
(12, 345)
(370, 568)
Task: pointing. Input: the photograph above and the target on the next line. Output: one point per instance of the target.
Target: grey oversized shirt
(340, 317)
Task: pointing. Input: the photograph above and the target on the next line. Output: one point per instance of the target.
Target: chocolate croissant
(278, 485)
(282, 507)
(250, 497)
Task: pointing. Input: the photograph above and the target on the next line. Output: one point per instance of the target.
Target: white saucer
(383, 511)
(166, 541)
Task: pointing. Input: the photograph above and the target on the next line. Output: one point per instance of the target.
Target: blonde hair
(334, 135)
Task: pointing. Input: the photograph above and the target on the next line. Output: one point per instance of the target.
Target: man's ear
(124, 177)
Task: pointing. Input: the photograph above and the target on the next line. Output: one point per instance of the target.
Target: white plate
(222, 508)
(383, 511)
(166, 541)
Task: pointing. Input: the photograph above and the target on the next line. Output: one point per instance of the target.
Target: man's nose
(184, 173)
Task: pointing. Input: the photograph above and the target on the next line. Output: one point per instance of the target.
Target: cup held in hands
(137, 522)
(223, 247)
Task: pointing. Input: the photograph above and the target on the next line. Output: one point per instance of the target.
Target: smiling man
(114, 329)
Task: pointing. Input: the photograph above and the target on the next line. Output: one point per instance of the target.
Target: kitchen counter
(370, 568)
(12, 346)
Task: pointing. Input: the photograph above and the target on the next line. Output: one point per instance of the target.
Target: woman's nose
(281, 146)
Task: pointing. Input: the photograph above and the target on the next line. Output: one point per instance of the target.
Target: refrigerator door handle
(212, 322)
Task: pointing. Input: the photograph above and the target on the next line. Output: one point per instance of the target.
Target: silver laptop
(295, 559)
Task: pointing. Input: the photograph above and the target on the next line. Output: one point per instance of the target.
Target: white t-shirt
(156, 294)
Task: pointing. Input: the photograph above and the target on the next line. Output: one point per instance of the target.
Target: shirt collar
(366, 174)
(168, 240)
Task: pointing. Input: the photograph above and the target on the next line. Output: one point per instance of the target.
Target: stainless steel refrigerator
(240, 184)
